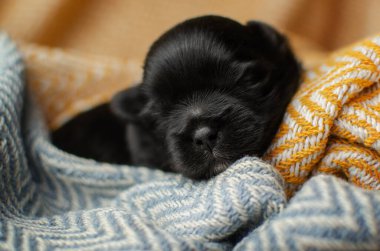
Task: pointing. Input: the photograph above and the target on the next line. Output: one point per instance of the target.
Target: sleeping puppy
(213, 91)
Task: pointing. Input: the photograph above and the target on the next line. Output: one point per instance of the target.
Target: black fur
(95, 134)
(213, 91)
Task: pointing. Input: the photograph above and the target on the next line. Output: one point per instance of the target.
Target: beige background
(126, 28)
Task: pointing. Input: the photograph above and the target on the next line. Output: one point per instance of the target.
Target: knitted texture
(326, 214)
(332, 125)
(51, 200)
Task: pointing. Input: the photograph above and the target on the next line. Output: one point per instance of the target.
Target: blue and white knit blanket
(52, 200)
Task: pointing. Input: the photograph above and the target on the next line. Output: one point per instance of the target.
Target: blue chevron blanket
(50, 200)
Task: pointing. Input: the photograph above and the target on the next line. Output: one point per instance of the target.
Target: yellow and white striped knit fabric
(332, 124)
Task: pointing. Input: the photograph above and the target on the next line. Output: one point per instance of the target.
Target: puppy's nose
(205, 137)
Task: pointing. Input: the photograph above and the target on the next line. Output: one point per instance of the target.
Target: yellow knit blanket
(333, 123)
(331, 126)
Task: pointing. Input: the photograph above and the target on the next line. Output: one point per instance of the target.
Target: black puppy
(213, 91)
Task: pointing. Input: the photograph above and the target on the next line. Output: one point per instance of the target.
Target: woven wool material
(332, 125)
(243, 195)
(51, 200)
(326, 214)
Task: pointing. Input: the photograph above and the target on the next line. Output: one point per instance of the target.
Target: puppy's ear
(268, 40)
(251, 71)
(276, 53)
(128, 104)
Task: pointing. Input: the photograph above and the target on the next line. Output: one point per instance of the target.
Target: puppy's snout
(205, 138)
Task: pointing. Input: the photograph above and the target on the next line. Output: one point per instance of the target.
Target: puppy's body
(213, 91)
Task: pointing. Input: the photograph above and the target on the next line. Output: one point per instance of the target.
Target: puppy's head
(213, 91)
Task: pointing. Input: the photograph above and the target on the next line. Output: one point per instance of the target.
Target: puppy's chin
(207, 165)
(219, 167)
(204, 171)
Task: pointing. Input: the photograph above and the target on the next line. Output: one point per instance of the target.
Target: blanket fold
(51, 200)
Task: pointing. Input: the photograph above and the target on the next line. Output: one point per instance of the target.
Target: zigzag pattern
(99, 229)
(340, 98)
(326, 214)
(359, 119)
(242, 197)
(354, 151)
(358, 164)
(11, 148)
